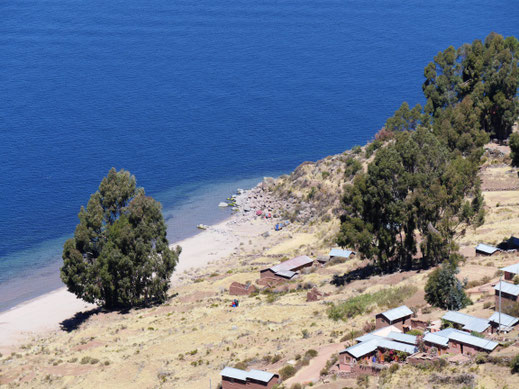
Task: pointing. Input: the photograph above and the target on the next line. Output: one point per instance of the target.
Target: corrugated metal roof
(292, 264)
(397, 313)
(485, 248)
(400, 337)
(242, 375)
(370, 345)
(506, 320)
(382, 332)
(260, 375)
(392, 345)
(286, 273)
(231, 372)
(463, 337)
(361, 349)
(436, 339)
(512, 268)
(507, 288)
(340, 253)
(469, 323)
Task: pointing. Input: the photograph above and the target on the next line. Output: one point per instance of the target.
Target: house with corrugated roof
(467, 323)
(509, 272)
(502, 322)
(372, 348)
(399, 317)
(451, 340)
(286, 270)
(486, 249)
(509, 293)
(233, 378)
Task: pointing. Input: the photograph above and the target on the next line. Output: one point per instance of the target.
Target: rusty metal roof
(292, 264)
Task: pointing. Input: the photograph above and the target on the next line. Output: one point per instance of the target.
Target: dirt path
(311, 373)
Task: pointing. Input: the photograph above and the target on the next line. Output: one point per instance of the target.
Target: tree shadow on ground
(73, 323)
(361, 273)
(79, 318)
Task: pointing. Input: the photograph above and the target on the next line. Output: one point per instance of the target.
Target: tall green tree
(487, 72)
(119, 256)
(414, 187)
(514, 149)
(444, 290)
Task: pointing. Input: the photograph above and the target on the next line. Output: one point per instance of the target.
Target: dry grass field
(188, 340)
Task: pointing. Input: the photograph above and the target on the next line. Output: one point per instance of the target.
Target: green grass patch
(365, 303)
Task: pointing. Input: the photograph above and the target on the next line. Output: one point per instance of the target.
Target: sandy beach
(45, 314)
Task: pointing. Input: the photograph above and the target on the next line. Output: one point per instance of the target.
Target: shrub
(480, 359)
(487, 305)
(296, 386)
(415, 332)
(85, 360)
(287, 371)
(372, 147)
(356, 149)
(310, 354)
(514, 365)
(363, 380)
(352, 166)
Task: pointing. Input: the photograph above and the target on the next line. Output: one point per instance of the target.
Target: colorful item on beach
(235, 303)
(259, 212)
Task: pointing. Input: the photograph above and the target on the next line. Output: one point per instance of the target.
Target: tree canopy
(487, 72)
(414, 186)
(119, 256)
(444, 290)
(422, 188)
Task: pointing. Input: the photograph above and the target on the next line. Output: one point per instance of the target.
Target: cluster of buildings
(464, 334)
(455, 333)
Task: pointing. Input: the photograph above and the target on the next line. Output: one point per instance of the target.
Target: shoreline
(45, 314)
(36, 269)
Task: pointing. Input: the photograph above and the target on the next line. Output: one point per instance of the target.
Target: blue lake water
(192, 97)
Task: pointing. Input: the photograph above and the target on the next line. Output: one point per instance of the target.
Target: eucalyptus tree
(119, 256)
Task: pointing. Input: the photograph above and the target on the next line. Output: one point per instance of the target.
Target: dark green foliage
(406, 119)
(414, 184)
(372, 147)
(119, 255)
(514, 148)
(514, 365)
(486, 72)
(287, 371)
(444, 290)
(352, 167)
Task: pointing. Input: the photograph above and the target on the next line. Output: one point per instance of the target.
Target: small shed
(502, 321)
(510, 271)
(509, 293)
(339, 253)
(485, 249)
(288, 269)
(233, 378)
(399, 317)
